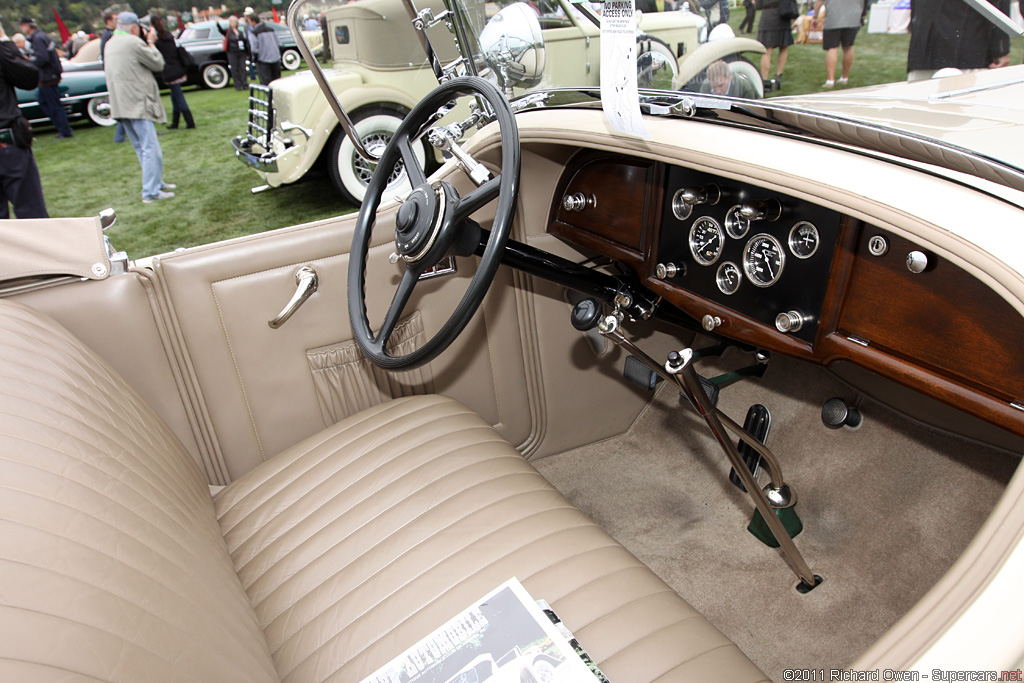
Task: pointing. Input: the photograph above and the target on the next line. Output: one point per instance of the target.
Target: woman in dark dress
(175, 74)
(237, 48)
(774, 32)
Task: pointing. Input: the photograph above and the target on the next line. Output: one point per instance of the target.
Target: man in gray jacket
(265, 49)
(130, 64)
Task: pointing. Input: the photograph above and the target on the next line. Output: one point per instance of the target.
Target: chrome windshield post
(321, 79)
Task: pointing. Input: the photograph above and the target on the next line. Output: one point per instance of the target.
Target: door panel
(264, 388)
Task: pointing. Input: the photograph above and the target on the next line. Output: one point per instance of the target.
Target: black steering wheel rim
(504, 187)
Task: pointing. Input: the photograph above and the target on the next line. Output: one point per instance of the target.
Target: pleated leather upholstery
(112, 565)
(321, 564)
(360, 541)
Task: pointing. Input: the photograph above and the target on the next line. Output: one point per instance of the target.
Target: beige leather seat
(322, 564)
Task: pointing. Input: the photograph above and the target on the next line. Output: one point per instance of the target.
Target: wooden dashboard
(847, 285)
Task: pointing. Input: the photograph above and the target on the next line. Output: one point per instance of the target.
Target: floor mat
(886, 508)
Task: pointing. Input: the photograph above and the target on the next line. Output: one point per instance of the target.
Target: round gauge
(763, 260)
(728, 277)
(681, 209)
(706, 240)
(804, 240)
(736, 224)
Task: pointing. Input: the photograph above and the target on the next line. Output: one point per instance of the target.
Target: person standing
(237, 49)
(773, 32)
(175, 73)
(44, 56)
(949, 33)
(19, 41)
(20, 184)
(265, 50)
(135, 99)
(747, 25)
(843, 19)
(109, 24)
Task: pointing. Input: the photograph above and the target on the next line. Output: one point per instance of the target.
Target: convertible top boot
(189, 122)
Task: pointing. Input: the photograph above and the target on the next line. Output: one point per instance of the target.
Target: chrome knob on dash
(664, 271)
(790, 321)
(710, 322)
(767, 210)
(917, 261)
(578, 201)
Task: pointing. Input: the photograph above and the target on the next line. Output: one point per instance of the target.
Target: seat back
(112, 564)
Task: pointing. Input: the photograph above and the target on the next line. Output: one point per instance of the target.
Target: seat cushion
(112, 564)
(358, 542)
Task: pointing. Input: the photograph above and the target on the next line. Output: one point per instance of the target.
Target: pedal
(711, 390)
(757, 424)
(639, 374)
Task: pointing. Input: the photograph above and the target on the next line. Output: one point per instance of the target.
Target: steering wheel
(432, 224)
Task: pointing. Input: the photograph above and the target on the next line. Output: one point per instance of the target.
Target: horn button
(416, 223)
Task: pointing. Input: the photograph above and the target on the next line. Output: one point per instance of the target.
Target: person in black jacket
(175, 73)
(46, 60)
(950, 33)
(19, 176)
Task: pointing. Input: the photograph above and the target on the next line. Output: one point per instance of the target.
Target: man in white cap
(130, 65)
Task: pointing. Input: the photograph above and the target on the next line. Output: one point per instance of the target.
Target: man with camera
(19, 175)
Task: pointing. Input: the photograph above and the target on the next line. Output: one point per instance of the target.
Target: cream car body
(378, 70)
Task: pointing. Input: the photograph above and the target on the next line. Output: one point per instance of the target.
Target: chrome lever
(306, 281)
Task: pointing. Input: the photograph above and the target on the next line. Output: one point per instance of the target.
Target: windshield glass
(702, 47)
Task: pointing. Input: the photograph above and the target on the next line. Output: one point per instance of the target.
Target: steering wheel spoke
(412, 164)
(477, 198)
(430, 224)
(398, 302)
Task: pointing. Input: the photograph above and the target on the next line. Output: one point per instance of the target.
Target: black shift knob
(586, 314)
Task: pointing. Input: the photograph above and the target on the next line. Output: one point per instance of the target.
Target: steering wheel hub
(418, 221)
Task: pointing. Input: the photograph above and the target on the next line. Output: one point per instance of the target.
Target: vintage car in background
(83, 89)
(83, 93)
(204, 40)
(379, 73)
(552, 344)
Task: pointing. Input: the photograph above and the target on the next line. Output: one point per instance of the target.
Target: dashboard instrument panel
(783, 273)
(760, 253)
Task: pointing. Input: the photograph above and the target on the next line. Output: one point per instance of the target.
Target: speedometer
(763, 260)
(706, 240)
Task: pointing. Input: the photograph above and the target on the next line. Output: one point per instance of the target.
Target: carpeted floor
(886, 509)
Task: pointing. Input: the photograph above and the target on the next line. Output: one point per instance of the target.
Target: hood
(976, 111)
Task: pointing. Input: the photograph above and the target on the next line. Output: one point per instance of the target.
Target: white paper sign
(619, 96)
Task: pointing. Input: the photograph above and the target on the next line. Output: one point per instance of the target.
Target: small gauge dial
(736, 224)
(728, 277)
(681, 209)
(804, 240)
(763, 260)
(706, 240)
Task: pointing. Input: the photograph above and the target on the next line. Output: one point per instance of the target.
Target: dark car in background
(204, 40)
(83, 90)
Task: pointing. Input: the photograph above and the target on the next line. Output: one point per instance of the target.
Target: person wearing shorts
(843, 19)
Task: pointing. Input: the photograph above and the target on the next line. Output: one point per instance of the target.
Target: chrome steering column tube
(679, 370)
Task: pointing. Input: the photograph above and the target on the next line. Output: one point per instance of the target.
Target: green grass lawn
(88, 173)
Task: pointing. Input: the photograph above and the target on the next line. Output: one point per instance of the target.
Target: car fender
(299, 159)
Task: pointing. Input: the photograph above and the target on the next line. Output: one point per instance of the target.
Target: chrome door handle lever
(306, 281)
